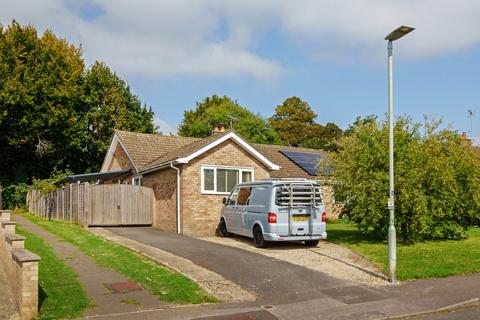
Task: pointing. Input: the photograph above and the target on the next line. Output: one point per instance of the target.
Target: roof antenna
(232, 120)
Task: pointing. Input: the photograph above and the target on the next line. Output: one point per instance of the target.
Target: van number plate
(300, 218)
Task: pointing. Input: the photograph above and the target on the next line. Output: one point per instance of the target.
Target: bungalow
(190, 176)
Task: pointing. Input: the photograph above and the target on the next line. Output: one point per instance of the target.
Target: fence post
(86, 205)
(154, 213)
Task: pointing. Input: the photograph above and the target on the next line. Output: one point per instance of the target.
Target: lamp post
(392, 236)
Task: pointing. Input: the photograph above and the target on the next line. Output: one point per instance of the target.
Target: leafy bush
(14, 196)
(46, 185)
(436, 179)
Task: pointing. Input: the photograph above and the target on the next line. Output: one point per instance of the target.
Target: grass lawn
(429, 259)
(61, 294)
(166, 284)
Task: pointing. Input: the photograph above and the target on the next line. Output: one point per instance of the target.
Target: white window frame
(214, 167)
(138, 178)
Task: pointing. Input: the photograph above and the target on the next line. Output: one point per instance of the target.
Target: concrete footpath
(287, 291)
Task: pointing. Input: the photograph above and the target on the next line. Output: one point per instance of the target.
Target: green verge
(428, 259)
(61, 294)
(164, 283)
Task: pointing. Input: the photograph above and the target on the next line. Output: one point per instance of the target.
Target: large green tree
(108, 104)
(436, 179)
(214, 110)
(40, 81)
(54, 112)
(294, 121)
(323, 137)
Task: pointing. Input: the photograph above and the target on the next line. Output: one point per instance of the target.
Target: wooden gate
(119, 204)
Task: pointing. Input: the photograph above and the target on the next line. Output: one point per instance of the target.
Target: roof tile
(150, 150)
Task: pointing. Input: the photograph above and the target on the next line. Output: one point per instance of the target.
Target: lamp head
(398, 33)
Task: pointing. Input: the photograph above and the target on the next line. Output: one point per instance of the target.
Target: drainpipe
(178, 196)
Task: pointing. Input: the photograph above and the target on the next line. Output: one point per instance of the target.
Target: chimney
(219, 128)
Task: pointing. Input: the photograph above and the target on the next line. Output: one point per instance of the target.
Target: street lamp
(392, 237)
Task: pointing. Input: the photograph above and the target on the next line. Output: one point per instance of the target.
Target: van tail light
(324, 217)
(272, 217)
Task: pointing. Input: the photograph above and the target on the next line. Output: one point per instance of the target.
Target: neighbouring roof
(92, 176)
(148, 151)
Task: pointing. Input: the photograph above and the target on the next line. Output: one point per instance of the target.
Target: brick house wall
(120, 161)
(201, 212)
(331, 208)
(164, 185)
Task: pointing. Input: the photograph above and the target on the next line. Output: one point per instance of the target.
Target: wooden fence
(95, 205)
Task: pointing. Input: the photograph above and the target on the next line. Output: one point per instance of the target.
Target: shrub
(437, 193)
(14, 196)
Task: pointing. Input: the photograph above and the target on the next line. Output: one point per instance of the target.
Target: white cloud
(164, 127)
(218, 38)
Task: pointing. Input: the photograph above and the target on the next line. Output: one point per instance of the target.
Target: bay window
(223, 179)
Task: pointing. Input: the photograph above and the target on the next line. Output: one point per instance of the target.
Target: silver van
(275, 210)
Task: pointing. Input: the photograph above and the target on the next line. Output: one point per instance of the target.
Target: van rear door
(299, 204)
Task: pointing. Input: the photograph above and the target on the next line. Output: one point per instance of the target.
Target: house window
(137, 181)
(223, 179)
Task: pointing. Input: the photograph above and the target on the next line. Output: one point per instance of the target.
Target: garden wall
(21, 267)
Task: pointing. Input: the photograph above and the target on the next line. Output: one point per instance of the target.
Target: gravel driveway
(333, 259)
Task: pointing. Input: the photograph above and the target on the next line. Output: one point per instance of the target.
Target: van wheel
(311, 243)
(222, 227)
(258, 240)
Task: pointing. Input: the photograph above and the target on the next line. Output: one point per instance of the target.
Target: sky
(260, 52)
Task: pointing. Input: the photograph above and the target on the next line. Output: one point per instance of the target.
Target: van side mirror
(224, 201)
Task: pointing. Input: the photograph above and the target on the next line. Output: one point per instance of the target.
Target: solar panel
(307, 161)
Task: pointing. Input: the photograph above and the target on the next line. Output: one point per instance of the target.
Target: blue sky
(331, 54)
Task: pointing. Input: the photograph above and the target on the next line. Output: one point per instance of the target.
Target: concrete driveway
(274, 281)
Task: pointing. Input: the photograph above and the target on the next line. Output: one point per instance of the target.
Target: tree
(39, 85)
(108, 104)
(323, 137)
(437, 194)
(215, 110)
(53, 112)
(293, 120)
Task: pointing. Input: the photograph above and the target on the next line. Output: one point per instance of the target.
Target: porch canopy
(92, 176)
